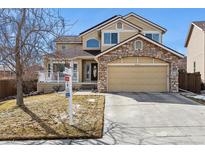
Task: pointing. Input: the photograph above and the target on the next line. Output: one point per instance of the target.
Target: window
(75, 70)
(92, 43)
(138, 45)
(58, 67)
(119, 25)
(63, 47)
(75, 67)
(153, 36)
(110, 38)
(194, 67)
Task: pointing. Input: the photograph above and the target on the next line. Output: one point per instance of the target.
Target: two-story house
(122, 53)
(195, 44)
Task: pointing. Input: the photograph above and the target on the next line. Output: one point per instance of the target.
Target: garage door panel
(137, 78)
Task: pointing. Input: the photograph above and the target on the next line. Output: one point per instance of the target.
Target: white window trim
(154, 32)
(120, 29)
(90, 39)
(110, 31)
(141, 44)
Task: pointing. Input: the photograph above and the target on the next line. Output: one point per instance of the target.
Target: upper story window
(92, 43)
(119, 25)
(110, 38)
(138, 45)
(63, 47)
(153, 36)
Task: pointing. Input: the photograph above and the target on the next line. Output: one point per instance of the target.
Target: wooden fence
(8, 87)
(190, 81)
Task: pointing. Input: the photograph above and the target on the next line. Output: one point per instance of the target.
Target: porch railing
(45, 76)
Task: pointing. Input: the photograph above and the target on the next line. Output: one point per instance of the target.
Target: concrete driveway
(147, 118)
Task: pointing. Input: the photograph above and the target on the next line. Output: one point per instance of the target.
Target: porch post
(58, 77)
(51, 73)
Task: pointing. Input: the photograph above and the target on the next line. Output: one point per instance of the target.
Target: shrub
(57, 88)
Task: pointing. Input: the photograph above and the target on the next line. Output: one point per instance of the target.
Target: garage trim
(139, 64)
(136, 64)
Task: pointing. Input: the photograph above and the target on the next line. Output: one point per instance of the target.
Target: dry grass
(45, 117)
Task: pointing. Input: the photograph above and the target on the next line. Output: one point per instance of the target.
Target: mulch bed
(46, 117)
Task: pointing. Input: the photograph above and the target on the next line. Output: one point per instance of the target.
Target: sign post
(69, 91)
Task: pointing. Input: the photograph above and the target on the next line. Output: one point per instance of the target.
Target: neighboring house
(5, 73)
(123, 53)
(31, 72)
(195, 44)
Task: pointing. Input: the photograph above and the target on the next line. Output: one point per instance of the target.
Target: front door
(94, 71)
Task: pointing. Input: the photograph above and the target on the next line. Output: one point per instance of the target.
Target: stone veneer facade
(149, 50)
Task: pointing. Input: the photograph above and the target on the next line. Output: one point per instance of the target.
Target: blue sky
(176, 21)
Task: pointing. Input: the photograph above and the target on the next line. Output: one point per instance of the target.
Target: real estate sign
(69, 91)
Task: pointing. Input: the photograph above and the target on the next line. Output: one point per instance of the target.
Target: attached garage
(138, 64)
(146, 76)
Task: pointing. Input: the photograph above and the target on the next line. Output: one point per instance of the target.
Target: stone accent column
(174, 78)
(102, 79)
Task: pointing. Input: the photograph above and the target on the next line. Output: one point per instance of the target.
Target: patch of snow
(199, 97)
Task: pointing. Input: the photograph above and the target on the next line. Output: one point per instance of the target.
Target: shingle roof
(73, 52)
(145, 20)
(200, 24)
(100, 24)
(68, 39)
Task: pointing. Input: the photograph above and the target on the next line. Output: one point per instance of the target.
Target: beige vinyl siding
(142, 24)
(124, 34)
(138, 74)
(91, 35)
(125, 27)
(67, 46)
(195, 52)
(80, 69)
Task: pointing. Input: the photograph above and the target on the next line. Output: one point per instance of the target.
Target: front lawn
(46, 117)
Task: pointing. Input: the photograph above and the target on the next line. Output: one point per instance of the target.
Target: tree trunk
(19, 68)
(19, 86)
(19, 81)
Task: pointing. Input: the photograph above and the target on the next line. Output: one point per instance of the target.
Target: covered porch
(85, 73)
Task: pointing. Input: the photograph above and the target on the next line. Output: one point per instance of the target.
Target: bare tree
(26, 34)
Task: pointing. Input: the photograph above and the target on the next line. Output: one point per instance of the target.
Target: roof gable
(145, 21)
(198, 24)
(145, 38)
(122, 20)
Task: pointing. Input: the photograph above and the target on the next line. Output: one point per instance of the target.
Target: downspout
(98, 72)
(204, 58)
